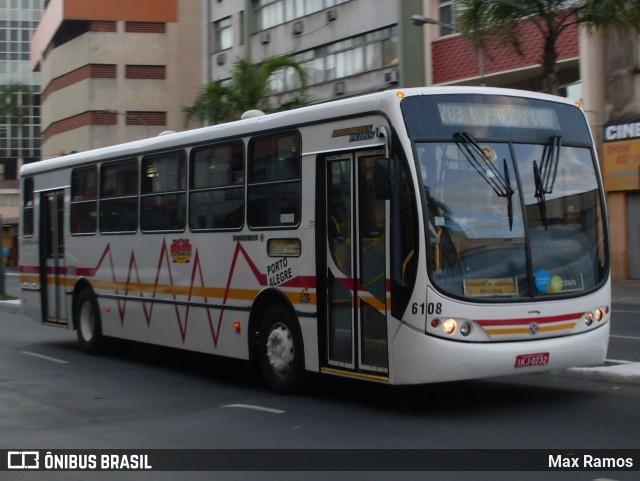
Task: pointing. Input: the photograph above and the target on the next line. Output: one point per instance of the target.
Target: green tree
(15, 101)
(485, 20)
(247, 89)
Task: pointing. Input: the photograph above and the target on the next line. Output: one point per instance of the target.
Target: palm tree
(247, 89)
(483, 20)
(15, 101)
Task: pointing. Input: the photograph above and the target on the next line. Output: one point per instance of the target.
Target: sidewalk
(627, 292)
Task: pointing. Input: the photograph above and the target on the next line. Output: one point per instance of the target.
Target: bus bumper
(421, 359)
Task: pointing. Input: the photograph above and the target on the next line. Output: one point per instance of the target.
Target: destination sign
(497, 115)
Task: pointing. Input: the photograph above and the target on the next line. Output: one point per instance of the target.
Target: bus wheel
(88, 324)
(280, 350)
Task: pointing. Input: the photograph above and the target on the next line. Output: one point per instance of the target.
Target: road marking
(625, 311)
(636, 338)
(255, 408)
(46, 358)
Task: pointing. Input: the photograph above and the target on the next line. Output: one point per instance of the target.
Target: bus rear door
(52, 266)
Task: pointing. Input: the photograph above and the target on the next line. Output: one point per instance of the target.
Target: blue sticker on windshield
(542, 279)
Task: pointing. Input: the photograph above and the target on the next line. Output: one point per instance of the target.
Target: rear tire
(281, 350)
(88, 323)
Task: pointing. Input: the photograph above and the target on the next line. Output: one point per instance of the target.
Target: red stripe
(529, 320)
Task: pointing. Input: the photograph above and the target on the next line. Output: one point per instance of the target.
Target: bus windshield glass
(513, 205)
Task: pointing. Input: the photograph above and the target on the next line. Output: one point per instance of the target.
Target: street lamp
(420, 20)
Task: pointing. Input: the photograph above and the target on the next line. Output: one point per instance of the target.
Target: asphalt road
(52, 396)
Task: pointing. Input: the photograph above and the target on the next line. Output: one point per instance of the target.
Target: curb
(12, 306)
(623, 372)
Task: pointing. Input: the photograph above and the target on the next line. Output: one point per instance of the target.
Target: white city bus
(408, 236)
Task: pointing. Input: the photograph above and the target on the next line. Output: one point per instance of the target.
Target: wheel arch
(266, 298)
(81, 285)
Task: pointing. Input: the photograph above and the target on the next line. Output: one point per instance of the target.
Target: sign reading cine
(622, 155)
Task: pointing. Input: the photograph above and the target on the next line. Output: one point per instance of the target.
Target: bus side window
(407, 238)
(164, 191)
(27, 207)
(84, 200)
(274, 188)
(119, 196)
(216, 195)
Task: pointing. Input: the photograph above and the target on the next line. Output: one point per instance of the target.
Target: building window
(84, 200)
(146, 72)
(274, 195)
(365, 53)
(269, 13)
(447, 16)
(223, 33)
(216, 199)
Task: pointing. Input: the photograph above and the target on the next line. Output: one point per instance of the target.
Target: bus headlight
(599, 314)
(465, 328)
(588, 318)
(449, 326)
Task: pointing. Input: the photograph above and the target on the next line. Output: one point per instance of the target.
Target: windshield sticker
(489, 152)
(355, 134)
(505, 286)
(549, 284)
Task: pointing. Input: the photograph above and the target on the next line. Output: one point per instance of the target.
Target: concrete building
(348, 47)
(115, 70)
(20, 127)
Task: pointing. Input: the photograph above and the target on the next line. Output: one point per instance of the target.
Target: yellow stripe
(360, 375)
(558, 327)
(168, 289)
(519, 330)
(508, 331)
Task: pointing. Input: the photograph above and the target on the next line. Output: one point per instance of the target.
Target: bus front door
(52, 267)
(357, 268)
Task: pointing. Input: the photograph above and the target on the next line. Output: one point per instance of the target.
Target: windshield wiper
(500, 183)
(545, 175)
(542, 202)
(549, 164)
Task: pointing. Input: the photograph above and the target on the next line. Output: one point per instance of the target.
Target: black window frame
(108, 199)
(80, 209)
(176, 220)
(267, 176)
(234, 186)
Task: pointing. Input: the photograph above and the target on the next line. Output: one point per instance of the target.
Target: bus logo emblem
(533, 328)
(181, 250)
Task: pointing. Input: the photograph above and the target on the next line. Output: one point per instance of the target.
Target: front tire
(88, 323)
(281, 350)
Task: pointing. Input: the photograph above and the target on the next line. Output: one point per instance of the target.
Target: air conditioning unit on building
(391, 77)
(265, 37)
(298, 27)
(221, 59)
(338, 88)
(332, 14)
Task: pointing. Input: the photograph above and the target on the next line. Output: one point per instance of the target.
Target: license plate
(530, 360)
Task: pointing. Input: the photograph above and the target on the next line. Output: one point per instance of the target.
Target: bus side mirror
(382, 178)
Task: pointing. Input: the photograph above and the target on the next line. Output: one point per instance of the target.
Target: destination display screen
(497, 115)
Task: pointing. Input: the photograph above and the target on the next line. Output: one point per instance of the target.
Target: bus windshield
(512, 201)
